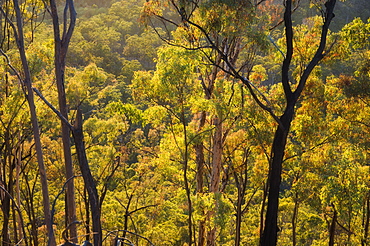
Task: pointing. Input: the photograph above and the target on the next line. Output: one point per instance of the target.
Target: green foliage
(112, 39)
(143, 104)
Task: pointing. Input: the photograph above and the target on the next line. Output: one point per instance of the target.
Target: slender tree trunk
(60, 51)
(217, 157)
(367, 220)
(332, 229)
(199, 150)
(199, 153)
(242, 187)
(18, 190)
(186, 182)
(35, 127)
(238, 217)
(6, 180)
(6, 213)
(216, 165)
(294, 219)
(215, 174)
(88, 179)
(87, 214)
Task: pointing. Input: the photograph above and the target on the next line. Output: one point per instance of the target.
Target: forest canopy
(176, 122)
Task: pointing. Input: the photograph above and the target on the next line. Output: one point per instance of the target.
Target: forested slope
(182, 106)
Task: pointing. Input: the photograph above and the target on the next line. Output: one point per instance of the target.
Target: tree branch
(329, 15)
(53, 108)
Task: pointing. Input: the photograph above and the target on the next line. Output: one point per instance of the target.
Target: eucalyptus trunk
(61, 44)
(27, 82)
(270, 232)
(88, 179)
(215, 175)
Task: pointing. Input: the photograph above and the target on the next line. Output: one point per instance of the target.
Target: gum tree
(216, 44)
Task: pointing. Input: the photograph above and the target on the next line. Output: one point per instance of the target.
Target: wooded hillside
(173, 123)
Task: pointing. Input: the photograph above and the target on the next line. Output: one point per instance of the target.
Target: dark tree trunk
(241, 184)
(332, 229)
(88, 179)
(6, 213)
(269, 236)
(87, 214)
(366, 220)
(60, 51)
(186, 181)
(6, 181)
(199, 150)
(295, 219)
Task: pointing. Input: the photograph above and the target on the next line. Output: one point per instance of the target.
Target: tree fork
(269, 236)
(60, 51)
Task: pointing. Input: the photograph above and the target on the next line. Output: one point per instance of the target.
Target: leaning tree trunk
(88, 179)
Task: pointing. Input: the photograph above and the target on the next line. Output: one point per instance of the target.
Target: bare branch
(289, 49)
(13, 68)
(11, 24)
(53, 108)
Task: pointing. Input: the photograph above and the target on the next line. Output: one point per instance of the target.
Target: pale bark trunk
(217, 157)
(215, 175)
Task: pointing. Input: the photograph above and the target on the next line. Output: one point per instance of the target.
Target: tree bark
(269, 236)
(60, 51)
(332, 228)
(18, 190)
(366, 220)
(217, 157)
(7, 182)
(241, 184)
(199, 150)
(215, 174)
(295, 219)
(35, 127)
(186, 181)
(88, 179)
